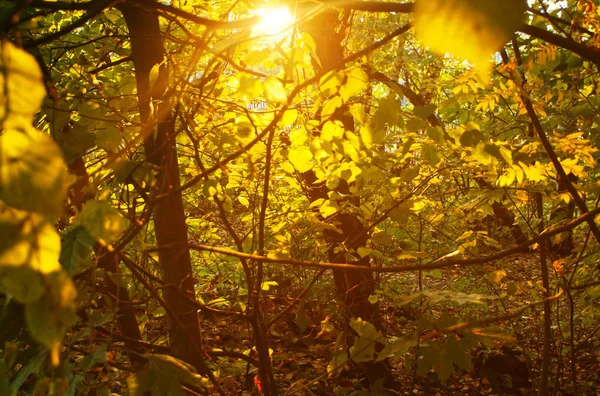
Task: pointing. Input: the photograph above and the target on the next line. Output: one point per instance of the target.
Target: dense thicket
(299, 197)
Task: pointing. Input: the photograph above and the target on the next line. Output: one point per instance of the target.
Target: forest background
(324, 197)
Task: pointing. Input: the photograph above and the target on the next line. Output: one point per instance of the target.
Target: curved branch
(580, 49)
(443, 262)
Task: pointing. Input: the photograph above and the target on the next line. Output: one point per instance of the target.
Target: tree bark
(147, 52)
(353, 288)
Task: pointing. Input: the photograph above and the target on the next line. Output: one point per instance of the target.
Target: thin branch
(95, 8)
(110, 64)
(443, 262)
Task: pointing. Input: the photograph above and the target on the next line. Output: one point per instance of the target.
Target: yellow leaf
(356, 82)
(289, 117)
(301, 157)
(22, 85)
(33, 175)
(469, 29)
(274, 90)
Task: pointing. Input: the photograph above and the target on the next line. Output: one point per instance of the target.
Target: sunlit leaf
(275, 91)
(469, 29)
(301, 157)
(22, 86)
(33, 175)
(29, 248)
(103, 221)
(356, 81)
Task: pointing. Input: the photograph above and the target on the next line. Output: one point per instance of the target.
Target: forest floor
(301, 350)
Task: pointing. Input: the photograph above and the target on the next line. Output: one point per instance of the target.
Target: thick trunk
(169, 217)
(353, 287)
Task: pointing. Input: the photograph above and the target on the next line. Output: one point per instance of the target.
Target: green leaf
(301, 157)
(330, 82)
(364, 329)
(424, 111)
(431, 154)
(396, 349)
(109, 139)
(5, 388)
(22, 86)
(469, 29)
(75, 141)
(102, 221)
(77, 244)
(436, 134)
(471, 138)
(49, 317)
(363, 350)
(330, 107)
(363, 251)
(400, 214)
(33, 175)
(250, 87)
(337, 362)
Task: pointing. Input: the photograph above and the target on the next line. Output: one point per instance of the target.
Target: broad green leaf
(127, 171)
(469, 29)
(301, 157)
(363, 251)
(337, 362)
(77, 244)
(49, 317)
(364, 329)
(363, 350)
(75, 141)
(102, 221)
(330, 107)
(424, 111)
(431, 154)
(109, 139)
(22, 86)
(395, 349)
(471, 138)
(436, 134)
(400, 214)
(33, 175)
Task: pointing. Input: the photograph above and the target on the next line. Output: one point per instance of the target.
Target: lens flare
(273, 22)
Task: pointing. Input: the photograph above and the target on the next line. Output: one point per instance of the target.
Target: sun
(274, 21)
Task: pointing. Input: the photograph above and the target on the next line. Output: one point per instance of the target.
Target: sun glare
(273, 22)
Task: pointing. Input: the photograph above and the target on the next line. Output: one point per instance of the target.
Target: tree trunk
(147, 51)
(353, 287)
